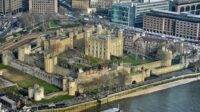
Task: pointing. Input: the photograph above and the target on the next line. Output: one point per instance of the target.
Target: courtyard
(132, 59)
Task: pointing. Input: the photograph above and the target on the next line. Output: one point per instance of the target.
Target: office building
(8, 102)
(192, 6)
(43, 6)
(104, 4)
(10, 6)
(131, 13)
(172, 23)
(25, 5)
(80, 4)
(94, 5)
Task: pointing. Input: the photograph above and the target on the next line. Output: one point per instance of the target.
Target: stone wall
(36, 72)
(92, 74)
(151, 65)
(169, 69)
(79, 40)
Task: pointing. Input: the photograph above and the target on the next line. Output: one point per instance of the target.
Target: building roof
(174, 15)
(4, 98)
(136, 3)
(181, 2)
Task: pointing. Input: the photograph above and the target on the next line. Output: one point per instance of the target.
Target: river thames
(184, 98)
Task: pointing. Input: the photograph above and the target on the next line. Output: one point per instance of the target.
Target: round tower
(49, 63)
(36, 86)
(38, 95)
(41, 89)
(30, 92)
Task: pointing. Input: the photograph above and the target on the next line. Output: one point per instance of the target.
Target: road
(17, 42)
(9, 27)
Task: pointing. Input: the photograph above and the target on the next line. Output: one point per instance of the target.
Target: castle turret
(64, 83)
(49, 63)
(23, 50)
(6, 57)
(30, 92)
(71, 35)
(72, 88)
(120, 33)
(99, 29)
(36, 93)
(166, 56)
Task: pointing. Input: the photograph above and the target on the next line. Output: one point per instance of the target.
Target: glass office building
(131, 13)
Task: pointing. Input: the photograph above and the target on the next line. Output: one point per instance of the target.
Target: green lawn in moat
(3, 66)
(25, 81)
(56, 99)
(12, 89)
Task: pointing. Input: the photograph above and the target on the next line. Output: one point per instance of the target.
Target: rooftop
(104, 36)
(174, 15)
(181, 2)
(7, 100)
(135, 3)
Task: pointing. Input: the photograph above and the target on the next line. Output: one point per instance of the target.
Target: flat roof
(174, 15)
(7, 100)
(135, 3)
(181, 2)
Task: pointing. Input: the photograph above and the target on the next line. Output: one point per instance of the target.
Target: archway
(193, 7)
(134, 82)
(182, 9)
(188, 8)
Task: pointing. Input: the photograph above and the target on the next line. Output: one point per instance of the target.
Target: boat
(112, 110)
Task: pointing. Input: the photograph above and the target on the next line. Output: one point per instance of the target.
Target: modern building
(43, 6)
(192, 6)
(83, 5)
(66, 3)
(104, 4)
(8, 102)
(25, 5)
(131, 13)
(103, 43)
(10, 6)
(94, 5)
(172, 23)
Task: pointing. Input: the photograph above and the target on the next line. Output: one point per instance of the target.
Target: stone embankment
(132, 92)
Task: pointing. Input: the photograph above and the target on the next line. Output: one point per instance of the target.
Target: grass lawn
(94, 61)
(12, 89)
(2, 39)
(56, 99)
(53, 24)
(3, 66)
(79, 66)
(133, 59)
(25, 81)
